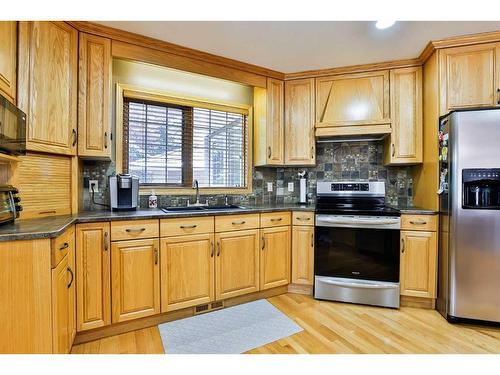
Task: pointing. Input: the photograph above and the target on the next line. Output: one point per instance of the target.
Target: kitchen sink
(202, 208)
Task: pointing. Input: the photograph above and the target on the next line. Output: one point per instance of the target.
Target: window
(173, 145)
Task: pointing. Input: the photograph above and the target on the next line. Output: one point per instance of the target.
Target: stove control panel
(350, 187)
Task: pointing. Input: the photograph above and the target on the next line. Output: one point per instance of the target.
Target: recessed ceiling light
(384, 24)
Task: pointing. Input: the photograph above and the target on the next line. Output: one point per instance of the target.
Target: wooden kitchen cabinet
(299, 122)
(187, 271)
(8, 59)
(72, 288)
(236, 263)
(404, 146)
(61, 312)
(418, 264)
(469, 77)
(350, 104)
(94, 97)
(47, 75)
(269, 134)
(274, 257)
(135, 279)
(303, 255)
(93, 275)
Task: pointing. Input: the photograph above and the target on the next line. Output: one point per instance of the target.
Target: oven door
(357, 247)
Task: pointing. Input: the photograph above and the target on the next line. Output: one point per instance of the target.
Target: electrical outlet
(269, 186)
(280, 191)
(96, 185)
(290, 187)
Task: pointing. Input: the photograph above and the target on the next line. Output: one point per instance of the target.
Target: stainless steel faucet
(195, 186)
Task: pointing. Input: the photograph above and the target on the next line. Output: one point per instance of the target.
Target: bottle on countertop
(153, 200)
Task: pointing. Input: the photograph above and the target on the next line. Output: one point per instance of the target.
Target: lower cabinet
(135, 279)
(418, 264)
(303, 255)
(236, 263)
(274, 257)
(72, 291)
(61, 325)
(93, 275)
(187, 271)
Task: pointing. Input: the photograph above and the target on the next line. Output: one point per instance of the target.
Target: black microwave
(12, 128)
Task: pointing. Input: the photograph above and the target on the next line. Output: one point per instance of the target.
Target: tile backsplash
(356, 161)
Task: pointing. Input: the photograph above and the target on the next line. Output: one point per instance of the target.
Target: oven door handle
(357, 221)
(359, 285)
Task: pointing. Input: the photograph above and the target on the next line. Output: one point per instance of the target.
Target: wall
(358, 161)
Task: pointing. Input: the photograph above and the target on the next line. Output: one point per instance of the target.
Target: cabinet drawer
(303, 218)
(60, 246)
(419, 222)
(275, 219)
(186, 225)
(133, 229)
(236, 222)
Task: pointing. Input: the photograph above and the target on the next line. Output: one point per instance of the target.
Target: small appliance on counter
(123, 192)
(10, 207)
(12, 128)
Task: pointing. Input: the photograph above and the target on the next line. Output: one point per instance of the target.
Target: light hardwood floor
(331, 327)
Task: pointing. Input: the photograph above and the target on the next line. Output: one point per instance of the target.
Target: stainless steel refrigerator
(469, 229)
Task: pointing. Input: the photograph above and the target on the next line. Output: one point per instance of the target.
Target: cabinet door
(299, 122)
(94, 92)
(468, 76)
(48, 68)
(61, 307)
(418, 264)
(275, 129)
(187, 271)
(135, 279)
(404, 146)
(236, 263)
(72, 288)
(353, 99)
(8, 59)
(93, 276)
(275, 257)
(303, 255)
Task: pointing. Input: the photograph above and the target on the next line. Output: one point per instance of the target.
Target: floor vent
(217, 305)
(201, 309)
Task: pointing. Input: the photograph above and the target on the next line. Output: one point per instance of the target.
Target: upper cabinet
(8, 59)
(268, 126)
(299, 122)
(94, 83)
(350, 104)
(404, 146)
(469, 77)
(48, 69)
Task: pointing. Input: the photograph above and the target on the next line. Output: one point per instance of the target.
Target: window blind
(173, 145)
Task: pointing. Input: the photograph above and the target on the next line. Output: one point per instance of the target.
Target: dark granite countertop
(414, 210)
(53, 226)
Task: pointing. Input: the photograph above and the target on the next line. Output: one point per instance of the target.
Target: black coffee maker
(124, 192)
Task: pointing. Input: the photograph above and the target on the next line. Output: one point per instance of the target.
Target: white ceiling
(291, 46)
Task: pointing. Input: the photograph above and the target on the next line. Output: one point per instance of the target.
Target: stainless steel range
(356, 254)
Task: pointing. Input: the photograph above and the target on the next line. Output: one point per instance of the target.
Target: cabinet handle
(47, 212)
(269, 152)
(218, 248)
(64, 246)
(75, 137)
(188, 226)
(498, 96)
(72, 276)
(277, 219)
(263, 242)
(105, 139)
(312, 239)
(135, 230)
(213, 250)
(304, 218)
(312, 152)
(402, 245)
(393, 150)
(239, 222)
(156, 256)
(105, 241)
(418, 222)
